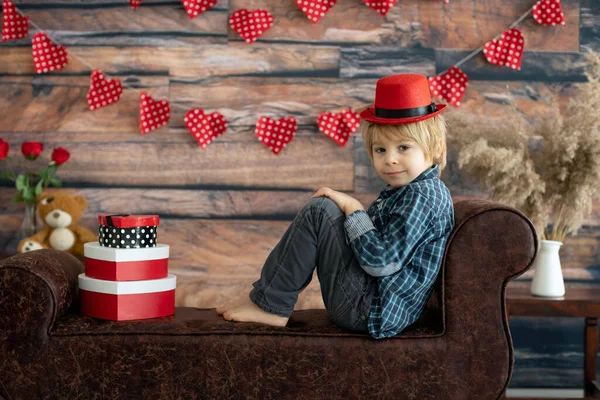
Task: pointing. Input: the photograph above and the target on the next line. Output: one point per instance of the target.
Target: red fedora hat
(402, 99)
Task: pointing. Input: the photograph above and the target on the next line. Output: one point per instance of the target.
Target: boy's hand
(347, 204)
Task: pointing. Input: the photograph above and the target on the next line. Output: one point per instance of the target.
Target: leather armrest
(36, 288)
(497, 234)
(491, 244)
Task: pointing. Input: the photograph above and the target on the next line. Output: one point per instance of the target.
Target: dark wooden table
(577, 303)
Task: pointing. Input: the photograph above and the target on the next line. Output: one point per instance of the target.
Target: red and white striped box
(121, 301)
(113, 264)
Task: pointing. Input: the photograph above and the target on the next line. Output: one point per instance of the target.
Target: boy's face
(399, 161)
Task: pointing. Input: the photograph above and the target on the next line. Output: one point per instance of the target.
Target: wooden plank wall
(223, 208)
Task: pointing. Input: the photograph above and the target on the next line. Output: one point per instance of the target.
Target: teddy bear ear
(81, 200)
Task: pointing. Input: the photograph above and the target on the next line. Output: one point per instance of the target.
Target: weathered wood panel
(188, 203)
(160, 159)
(243, 99)
(410, 23)
(536, 66)
(198, 62)
(376, 62)
(158, 23)
(469, 24)
(589, 32)
(348, 22)
(58, 103)
(217, 203)
(531, 99)
(208, 209)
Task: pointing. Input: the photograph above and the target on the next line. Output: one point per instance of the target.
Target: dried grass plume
(552, 174)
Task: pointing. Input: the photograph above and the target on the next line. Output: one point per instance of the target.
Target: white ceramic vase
(548, 278)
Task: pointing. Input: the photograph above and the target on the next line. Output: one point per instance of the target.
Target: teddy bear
(60, 213)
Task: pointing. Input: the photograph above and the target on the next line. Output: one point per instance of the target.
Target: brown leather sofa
(460, 348)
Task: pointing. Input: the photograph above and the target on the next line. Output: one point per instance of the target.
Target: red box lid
(127, 220)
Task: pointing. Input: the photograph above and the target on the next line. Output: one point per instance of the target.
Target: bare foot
(247, 311)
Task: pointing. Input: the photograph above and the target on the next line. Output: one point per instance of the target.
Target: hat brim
(369, 115)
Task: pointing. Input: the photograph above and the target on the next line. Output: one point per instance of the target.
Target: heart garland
(135, 4)
(197, 7)
(507, 50)
(381, 6)
(205, 127)
(450, 86)
(153, 114)
(315, 9)
(276, 134)
(103, 92)
(339, 126)
(250, 25)
(548, 12)
(46, 55)
(14, 26)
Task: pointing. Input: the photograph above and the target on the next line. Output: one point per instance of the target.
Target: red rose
(32, 150)
(60, 156)
(3, 149)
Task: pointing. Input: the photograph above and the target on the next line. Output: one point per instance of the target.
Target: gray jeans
(316, 238)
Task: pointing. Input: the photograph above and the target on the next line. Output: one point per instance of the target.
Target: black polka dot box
(127, 231)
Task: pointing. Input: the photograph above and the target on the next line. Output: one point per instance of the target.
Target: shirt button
(363, 317)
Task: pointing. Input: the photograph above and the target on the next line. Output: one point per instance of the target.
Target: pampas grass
(551, 178)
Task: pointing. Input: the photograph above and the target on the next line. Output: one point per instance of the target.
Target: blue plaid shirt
(401, 240)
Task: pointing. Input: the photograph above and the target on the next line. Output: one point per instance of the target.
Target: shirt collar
(427, 174)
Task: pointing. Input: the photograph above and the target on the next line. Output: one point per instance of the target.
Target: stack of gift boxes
(126, 272)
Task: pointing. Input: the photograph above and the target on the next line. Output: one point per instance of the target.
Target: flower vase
(28, 226)
(548, 278)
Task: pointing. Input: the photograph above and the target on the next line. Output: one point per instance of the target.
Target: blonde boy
(376, 267)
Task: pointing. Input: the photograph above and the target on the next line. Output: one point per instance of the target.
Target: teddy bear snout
(58, 219)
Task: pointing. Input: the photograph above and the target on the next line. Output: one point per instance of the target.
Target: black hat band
(405, 112)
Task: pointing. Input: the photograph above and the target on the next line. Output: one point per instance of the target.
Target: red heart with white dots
(205, 127)
(339, 126)
(382, 6)
(135, 3)
(315, 9)
(46, 55)
(250, 25)
(449, 86)
(103, 92)
(507, 50)
(153, 114)
(276, 134)
(548, 12)
(197, 7)
(14, 26)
